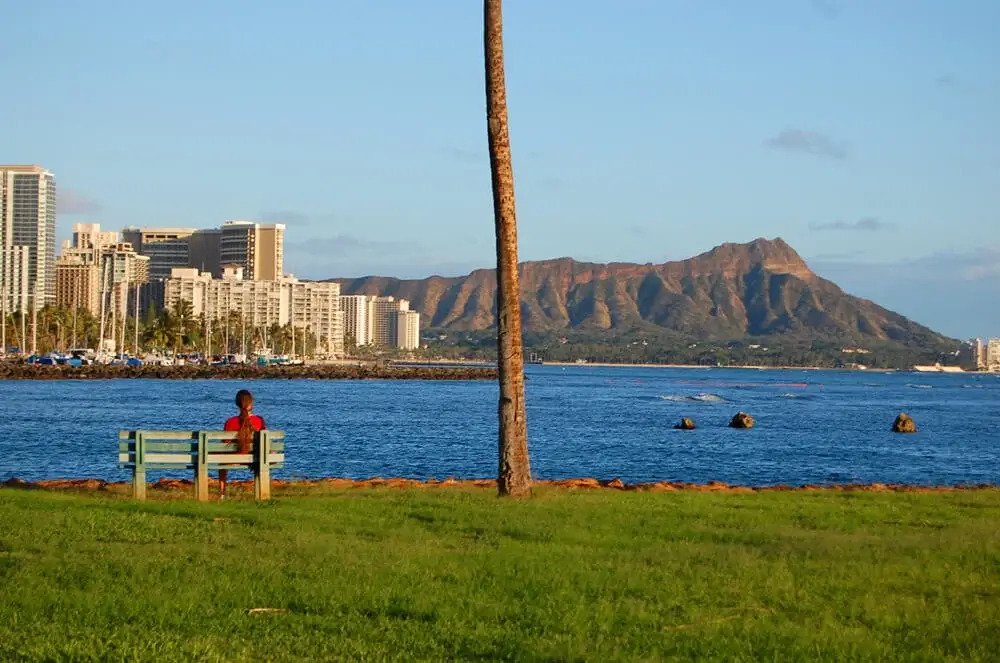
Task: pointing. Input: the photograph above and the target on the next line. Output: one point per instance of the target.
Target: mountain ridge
(759, 288)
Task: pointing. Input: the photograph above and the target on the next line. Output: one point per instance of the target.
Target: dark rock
(685, 424)
(904, 424)
(741, 420)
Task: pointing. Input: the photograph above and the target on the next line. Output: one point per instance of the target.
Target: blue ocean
(813, 427)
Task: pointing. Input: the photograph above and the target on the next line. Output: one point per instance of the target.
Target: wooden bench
(201, 451)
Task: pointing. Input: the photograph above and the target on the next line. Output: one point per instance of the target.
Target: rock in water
(741, 420)
(685, 424)
(904, 423)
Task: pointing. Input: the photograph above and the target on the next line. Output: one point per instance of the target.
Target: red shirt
(233, 423)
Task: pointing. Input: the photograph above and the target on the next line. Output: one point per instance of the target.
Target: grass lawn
(457, 573)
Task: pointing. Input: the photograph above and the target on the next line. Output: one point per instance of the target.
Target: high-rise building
(311, 308)
(15, 290)
(258, 248)
(27, 238)
(78, 283)
(355, 308)
(90, 236)
(203, 251)
(407, 330)
(97, 263)
(993, 355)
(166, 248)
(382, 319)
(972, 355)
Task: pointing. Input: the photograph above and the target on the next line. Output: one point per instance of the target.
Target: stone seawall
(11, 371)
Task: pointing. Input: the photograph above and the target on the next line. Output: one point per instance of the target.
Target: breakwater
(13, 371)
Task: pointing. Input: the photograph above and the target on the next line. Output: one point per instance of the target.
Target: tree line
(173, 330)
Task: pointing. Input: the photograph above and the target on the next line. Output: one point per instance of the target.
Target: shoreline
(172, 485)
(606, 364)
(704, 367)
(245, 372)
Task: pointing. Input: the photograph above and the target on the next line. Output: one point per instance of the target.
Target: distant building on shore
(384, 316)
(993, 355)
(27, 238)
(168, 248)
(979, 355)
(380, 321)
(972, 355)
(356, 329)
(407, 329)
(256, 247)
(97, 263)
(258, 305)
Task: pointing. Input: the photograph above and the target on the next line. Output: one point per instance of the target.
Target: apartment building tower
(258, 248)
(98, 263)
(993, 355)
(310, 307)
(168, 248)
(407, 325)
(382, 319)
(27, 238)
(78, 283)
(355, 308)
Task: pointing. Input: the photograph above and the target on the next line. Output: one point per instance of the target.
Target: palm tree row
(175, 330)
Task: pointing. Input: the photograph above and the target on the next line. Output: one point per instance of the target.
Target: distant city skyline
(864, 134)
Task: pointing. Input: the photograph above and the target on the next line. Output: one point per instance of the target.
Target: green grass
(436, 574)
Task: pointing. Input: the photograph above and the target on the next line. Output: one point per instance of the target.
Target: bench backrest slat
(188, 447)
(180, 449)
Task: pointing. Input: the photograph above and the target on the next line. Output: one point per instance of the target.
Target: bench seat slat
(188, 447)
(192, 458)
(166, 466)
(191, 466)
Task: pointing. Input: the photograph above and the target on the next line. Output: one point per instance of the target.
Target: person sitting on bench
(247, 424)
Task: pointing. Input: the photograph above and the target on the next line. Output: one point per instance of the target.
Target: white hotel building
(407, 329)
(381, 321)
(306, 305)
(355, 308)
(992, 352)
(27, 238)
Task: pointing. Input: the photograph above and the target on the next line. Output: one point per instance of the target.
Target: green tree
(180, 325)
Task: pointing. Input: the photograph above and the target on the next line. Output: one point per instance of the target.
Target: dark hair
(244, 439)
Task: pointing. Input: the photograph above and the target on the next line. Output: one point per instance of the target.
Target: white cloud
(808, 142)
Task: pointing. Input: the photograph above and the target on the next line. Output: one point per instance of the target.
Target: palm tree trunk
(514, 471)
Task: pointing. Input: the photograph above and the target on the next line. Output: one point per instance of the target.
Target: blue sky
(864, 133)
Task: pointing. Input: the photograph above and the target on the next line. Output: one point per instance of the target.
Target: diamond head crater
(756, 304)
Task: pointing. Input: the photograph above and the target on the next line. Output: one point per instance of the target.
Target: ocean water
(815, 427)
